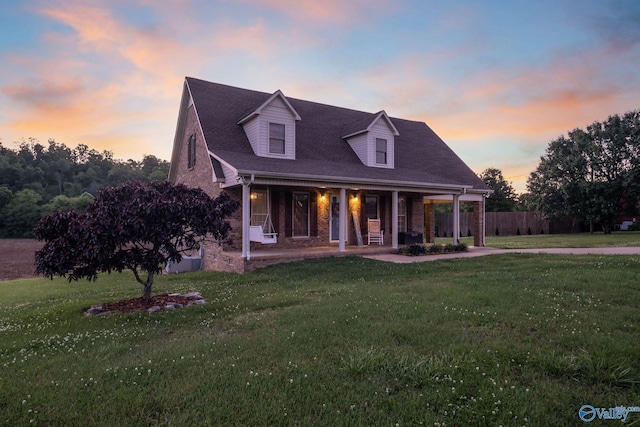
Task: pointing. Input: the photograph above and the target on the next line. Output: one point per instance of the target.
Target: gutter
(351, 182)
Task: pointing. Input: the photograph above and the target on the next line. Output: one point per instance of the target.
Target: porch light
(253, 196)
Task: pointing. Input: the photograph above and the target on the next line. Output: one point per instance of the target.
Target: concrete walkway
(476, 251)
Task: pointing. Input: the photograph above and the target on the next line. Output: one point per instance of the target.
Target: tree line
(37, 179)
(592, 175)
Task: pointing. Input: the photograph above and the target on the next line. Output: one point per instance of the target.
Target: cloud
(326, 12)
(44, 94)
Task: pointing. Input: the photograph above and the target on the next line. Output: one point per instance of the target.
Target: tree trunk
(606, 228)
(147, 287)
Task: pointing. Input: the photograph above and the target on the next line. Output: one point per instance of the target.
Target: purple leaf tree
(134, 226)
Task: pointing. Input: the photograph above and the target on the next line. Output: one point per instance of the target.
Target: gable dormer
(271, 128)
(373, 140)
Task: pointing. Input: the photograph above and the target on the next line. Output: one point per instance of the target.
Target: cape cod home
(314, 179)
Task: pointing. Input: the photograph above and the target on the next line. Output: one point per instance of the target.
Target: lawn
(501, 340)
(577, 240)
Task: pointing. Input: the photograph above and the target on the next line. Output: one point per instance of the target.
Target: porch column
(394, 220)
(246, 221)
(342, 219)
(478, 223)
(456, 218)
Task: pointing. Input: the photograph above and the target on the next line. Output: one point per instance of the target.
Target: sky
(496, 80)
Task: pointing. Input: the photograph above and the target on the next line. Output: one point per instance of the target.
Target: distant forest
(36, 180)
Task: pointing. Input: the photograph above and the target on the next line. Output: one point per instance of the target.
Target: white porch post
(394, 220)
(456, 218)
(342, 219)
(246, 221)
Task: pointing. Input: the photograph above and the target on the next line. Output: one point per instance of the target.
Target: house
(311, 175)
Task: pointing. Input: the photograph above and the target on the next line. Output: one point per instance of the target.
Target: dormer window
(381, 151)
(271, 128)
(276, 138)
(373, 140)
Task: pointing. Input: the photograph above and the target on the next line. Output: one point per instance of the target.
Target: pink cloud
(326, 11)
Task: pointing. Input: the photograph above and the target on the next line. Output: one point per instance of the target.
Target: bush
(460, 247)
(435, 249)
(529, 231)
(416, 249)
(518, 232)
(635, 226)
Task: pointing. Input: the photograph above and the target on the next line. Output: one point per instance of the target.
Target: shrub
(635, 226)
(435, 249)
(529, 231)
(460, 247)
(497, 232)
(415, 249)
(518, 232)
(449, 247)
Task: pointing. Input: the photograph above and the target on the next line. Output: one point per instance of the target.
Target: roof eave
(462, 188)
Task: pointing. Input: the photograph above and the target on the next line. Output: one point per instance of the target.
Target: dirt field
(16, 258)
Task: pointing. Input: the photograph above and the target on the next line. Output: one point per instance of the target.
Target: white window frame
(385, 152)
(277, 139)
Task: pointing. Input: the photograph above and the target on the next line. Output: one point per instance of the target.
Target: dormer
(271, 128)
(373, 140)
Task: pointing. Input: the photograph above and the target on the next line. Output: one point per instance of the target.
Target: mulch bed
(138, 304)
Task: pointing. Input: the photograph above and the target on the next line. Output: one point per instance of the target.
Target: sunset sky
(497, 80)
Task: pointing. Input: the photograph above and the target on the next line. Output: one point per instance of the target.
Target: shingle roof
(421, 157)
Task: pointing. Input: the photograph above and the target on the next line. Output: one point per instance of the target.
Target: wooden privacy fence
(497, 223)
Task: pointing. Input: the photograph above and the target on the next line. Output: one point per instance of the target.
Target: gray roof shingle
(421, 157)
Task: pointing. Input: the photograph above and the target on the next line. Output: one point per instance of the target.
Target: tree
(503, 198)
(19, 214)
(133, 226)
(589, 175)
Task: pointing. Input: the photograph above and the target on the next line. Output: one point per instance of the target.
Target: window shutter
(288, 214)
(313, 215)
(409, 214)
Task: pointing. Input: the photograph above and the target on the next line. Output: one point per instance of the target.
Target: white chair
(376, 235)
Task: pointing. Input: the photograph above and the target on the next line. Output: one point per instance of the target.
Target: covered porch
(338, 212)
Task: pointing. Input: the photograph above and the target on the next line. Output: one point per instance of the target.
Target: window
(191, 151)
(276, 138)
(259, 208)
(300, 214)
(371, 207)
(402, 214)
(381, 151)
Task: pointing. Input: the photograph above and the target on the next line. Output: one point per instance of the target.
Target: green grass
(501, 340)
(578, 240)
